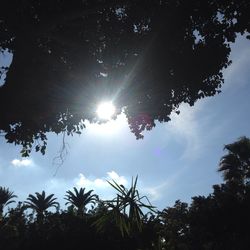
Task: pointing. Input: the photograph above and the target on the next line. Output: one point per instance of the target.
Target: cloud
(100, 185)
(83, 181)
(119, 179)
(22, 162)
(186, 128)
(157, 192)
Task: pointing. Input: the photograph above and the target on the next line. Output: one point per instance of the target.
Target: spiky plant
(126, 209)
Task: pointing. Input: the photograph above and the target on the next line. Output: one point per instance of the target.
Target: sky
(176, 160)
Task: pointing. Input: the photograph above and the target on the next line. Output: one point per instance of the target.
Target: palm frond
(80, 199)
(40, 203)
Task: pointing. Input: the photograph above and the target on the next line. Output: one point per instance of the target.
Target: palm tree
(80, 199)
(40, 203)
(235, 165)
(6, 197)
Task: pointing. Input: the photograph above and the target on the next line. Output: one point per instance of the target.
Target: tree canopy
(146, 56)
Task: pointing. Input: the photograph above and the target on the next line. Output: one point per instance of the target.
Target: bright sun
(105, 110)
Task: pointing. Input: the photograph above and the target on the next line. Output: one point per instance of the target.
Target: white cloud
(83, 181)
(22, 162)
(100, 185)
(119, 179)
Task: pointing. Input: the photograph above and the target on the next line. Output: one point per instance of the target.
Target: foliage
(125, 209)
(175, 228)
(146, 56)
(236, 164)
(6, 198)
(80, 199)
(40, 203)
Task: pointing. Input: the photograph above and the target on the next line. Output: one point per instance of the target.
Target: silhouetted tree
(13, 228)
(175, 226)
(146, 56)
(80, 199)
(235, 165)
(40, 203)
(6, 198)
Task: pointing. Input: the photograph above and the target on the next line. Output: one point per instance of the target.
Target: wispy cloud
(186, 129)
(22, 163)
(157, 192)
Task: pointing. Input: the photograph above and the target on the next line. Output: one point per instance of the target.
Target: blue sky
(176, 160)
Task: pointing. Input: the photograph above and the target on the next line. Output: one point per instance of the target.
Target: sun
(105, 110)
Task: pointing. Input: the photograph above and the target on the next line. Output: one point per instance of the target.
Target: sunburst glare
(105, 110)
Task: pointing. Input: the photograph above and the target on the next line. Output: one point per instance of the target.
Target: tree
(80, 199)
(6, 198)
(175, 226)
(146, 56)
(235, 165)
(40, 203)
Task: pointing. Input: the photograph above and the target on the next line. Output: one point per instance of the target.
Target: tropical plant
(126, 208)
(40, 203)
(80, 199)
(6, 198)
(235, 165)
